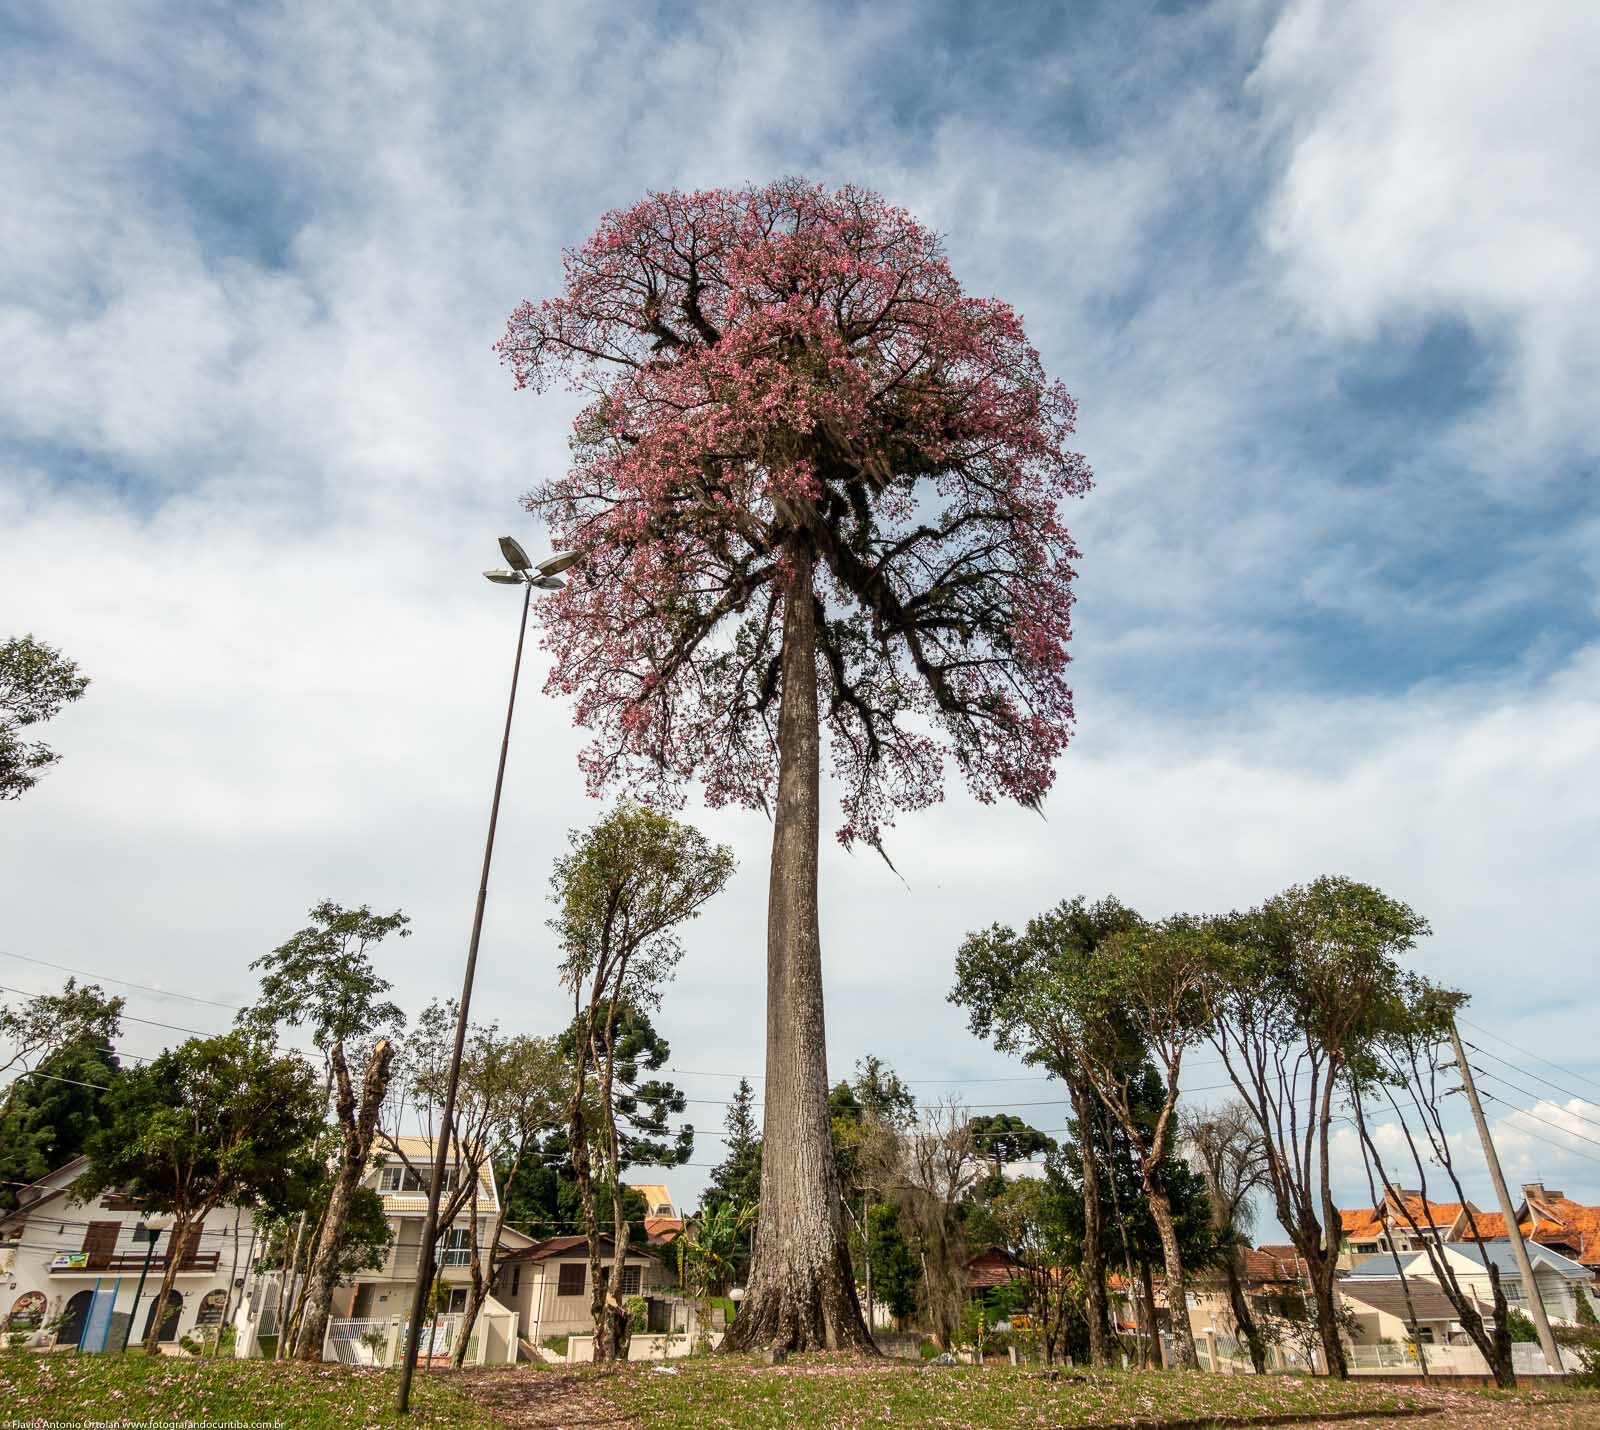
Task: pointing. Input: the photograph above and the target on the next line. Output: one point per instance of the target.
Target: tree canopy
(36, 682)
(785, 378)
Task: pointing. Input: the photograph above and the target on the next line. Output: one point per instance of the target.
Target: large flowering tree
(817, 488)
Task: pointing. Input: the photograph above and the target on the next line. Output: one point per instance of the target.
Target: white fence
(491, 1341)
(1526, 1359)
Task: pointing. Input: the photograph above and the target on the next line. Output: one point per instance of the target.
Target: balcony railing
(77, 1263)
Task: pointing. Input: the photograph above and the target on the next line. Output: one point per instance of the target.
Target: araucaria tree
(817, 486)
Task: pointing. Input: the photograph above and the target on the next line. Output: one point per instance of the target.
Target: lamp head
(505, 578)
(554, 565)
(516, 557)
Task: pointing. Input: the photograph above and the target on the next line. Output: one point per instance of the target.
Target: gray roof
(1500, 1253)
(1429, 1301)
(1378, 1267)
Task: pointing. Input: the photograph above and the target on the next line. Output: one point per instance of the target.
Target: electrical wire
(1506, 1062)
(1526, 1052)
(125, 982)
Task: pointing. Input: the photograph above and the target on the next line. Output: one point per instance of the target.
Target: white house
(548, 1284)
(388, 1291)
(1558, 1277)
(75, 1267)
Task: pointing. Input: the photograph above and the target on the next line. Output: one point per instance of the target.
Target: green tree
(620, 895)
(36, 681)
(213, 1120)
(523, 1081)
(323, 979)
(997, 970)
(736, 1180)
(1004, 1138)
(81, 1014)
(1140, 991)
(896, 1267)
(49, 1118)
(1130, 1224)
(1039, 1223)
(1400, 1063)
(1301, 990)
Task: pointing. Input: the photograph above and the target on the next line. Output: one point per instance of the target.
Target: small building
(1381, 1316)
(1557, 1276)
(401, 1180)
(1548, 1217)
(547, 1283)
(69, 1270)
(1387, 1228)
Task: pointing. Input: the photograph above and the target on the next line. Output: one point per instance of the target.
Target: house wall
(58, 1229)
(544, 1312)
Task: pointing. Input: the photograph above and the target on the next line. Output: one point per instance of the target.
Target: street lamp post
(546, 577)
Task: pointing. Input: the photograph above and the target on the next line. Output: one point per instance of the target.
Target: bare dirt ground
(566, 1400)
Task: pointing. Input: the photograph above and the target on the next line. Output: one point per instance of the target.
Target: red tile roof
(1552, 1220)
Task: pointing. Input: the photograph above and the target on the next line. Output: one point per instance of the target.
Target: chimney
(1535, 1192)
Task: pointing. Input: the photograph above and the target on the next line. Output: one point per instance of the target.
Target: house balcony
(80, 1263)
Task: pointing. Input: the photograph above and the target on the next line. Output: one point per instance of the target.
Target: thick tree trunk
(1328, 1318)
(802, 1295)
(1087, 1111)
(358, 1123)
(1177, 1283)
(1242, 1317)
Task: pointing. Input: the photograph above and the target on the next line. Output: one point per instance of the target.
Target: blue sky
(1321, 277)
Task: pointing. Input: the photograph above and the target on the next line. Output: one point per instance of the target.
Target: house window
(1366, 1246)
(630, 1281)
(396, 1178)
(516, 1279)
(1425, 1335)
(457, 1248)
(570, 1282)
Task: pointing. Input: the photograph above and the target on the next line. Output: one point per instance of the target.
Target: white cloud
(299, 457)
(1439, 166)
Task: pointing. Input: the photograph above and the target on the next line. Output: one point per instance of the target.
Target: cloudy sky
(1321, 276)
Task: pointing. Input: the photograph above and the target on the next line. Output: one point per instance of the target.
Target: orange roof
(1555, 1221)
(1358, 1223)
(1271, 1263)
(663, 1228)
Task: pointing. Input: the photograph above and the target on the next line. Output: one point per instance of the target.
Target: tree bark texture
(184, 1233)
(802, 1295)
(1087, 1111)
(1172, 1264)
(1242, 1317)
(358, 1122)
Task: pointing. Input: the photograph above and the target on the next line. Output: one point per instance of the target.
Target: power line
(1554, 1125)
(1501, 1037)
(125, 1017)
(125, 982)
(1526, 1072)
(1536, 1096)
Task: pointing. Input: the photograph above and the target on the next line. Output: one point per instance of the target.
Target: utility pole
(1519, 1250)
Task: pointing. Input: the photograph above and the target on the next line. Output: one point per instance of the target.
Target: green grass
(69, 1387)
(829, 1390)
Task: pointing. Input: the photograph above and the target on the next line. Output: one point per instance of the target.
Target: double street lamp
(543, 576)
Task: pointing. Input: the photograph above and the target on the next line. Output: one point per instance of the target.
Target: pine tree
(737, 1178)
